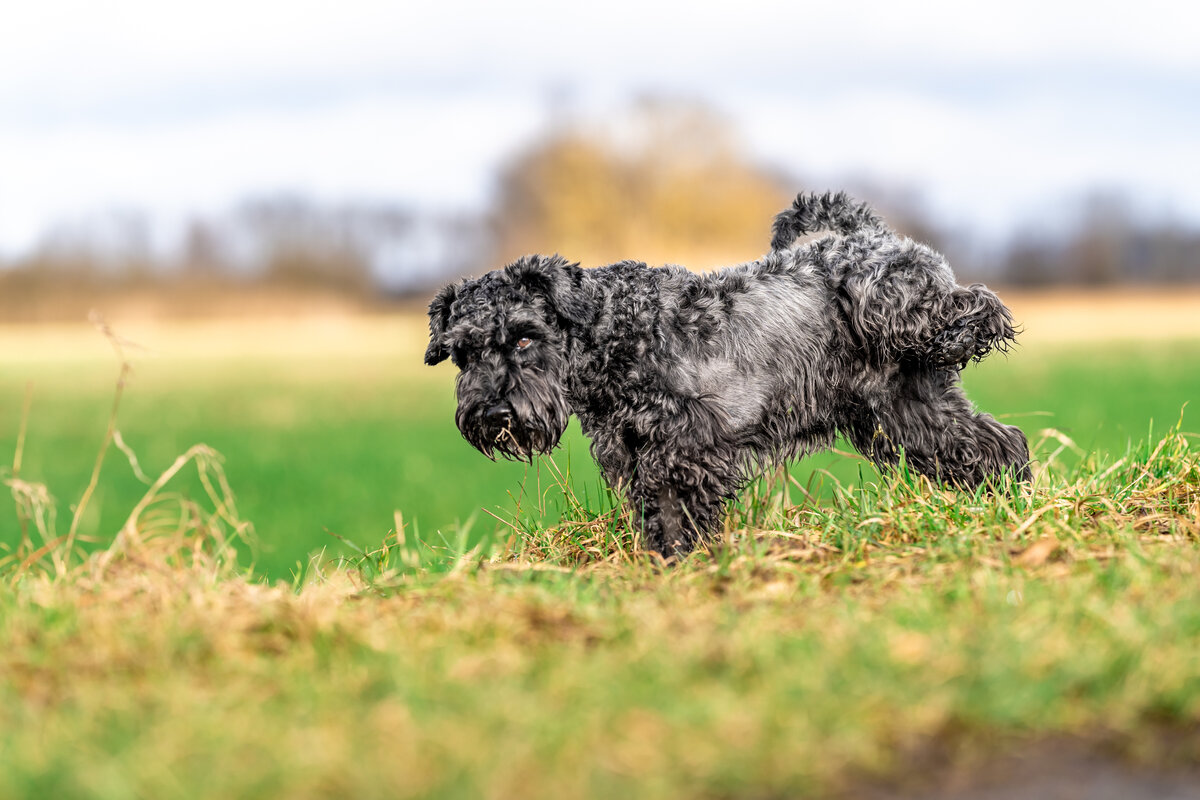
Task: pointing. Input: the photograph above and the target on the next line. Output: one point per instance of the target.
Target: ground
(849, 636)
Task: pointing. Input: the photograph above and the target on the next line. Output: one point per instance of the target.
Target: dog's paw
(968, 339)
(954, 347)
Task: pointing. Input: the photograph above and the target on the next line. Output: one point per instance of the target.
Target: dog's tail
(812, 213)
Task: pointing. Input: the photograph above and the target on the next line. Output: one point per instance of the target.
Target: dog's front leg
(678, 498)
(663, 519)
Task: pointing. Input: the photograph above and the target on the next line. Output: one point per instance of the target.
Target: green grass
(314, 445)
(846, 632)
(886, 635)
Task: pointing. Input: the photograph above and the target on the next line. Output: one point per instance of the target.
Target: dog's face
(507, 333)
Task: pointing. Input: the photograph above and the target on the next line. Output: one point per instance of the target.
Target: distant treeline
(664, 184)
(1107, 244)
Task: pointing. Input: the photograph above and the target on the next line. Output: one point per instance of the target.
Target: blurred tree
(562, 194)
(299, 245)
(1033, 261)
(1106, 245)
(663, 181)
(1096, 254)
(205, 254)
(1164, 253)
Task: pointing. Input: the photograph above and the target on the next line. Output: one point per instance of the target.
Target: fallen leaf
(1037, 553)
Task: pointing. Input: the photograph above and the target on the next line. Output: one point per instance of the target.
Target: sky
(997, 114)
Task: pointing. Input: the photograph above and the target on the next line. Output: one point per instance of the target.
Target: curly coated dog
(688, 383)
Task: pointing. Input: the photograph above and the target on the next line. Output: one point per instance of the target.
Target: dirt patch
(1058, 769)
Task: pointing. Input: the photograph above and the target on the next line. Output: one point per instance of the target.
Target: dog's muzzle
(498, 417)
(498, 427)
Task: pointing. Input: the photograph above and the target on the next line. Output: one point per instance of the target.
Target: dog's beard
(535, 426)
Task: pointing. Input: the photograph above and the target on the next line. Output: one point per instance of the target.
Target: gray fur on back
(688, 382)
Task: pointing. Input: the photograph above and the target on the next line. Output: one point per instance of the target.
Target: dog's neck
(606, 352)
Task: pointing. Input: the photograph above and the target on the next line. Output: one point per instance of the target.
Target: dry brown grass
(818, 647)
(383, 337)
(1045, 317)
(1124, 313)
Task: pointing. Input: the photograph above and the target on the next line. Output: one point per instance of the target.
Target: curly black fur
(687, 383)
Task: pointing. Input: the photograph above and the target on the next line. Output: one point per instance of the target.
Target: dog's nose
(498, 415)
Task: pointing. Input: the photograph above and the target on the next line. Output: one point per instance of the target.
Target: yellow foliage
(679, 192)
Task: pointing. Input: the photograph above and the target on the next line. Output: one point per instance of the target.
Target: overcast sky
(998, 114)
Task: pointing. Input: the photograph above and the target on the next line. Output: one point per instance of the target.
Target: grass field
(884, 638)
(332, 425)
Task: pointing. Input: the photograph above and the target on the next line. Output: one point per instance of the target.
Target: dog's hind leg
(930, 420)
(977, 323)
(906, 306)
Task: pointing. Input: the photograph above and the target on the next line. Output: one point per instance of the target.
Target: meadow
(850, 635)
(332, 425)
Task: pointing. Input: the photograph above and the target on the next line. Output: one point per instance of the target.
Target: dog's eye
(524, 342)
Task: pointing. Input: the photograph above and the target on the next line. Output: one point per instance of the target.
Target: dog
(688, 384)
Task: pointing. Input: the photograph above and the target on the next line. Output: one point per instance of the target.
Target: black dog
(687, 383)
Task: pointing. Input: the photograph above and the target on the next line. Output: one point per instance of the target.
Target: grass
(323, 437)
(819, 648)
(875, 633)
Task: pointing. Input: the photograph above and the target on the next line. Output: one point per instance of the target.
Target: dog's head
(507, 332)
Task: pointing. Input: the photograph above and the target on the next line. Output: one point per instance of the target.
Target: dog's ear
(559, 282)
(439, 315)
